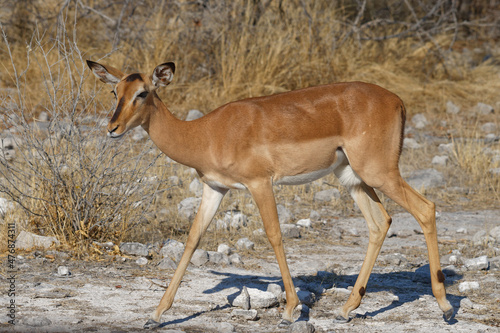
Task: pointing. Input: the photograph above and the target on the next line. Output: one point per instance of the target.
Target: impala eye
(143, 94)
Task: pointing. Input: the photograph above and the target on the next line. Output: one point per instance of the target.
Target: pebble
(441, 160)
(134, 248)
(290, 231)
(285, 215)
(250, 314)
(244, 244)
(327, 195)
(193, 115)
(27, 240)
(63, 271)
(224, 248)
(258, 299)
(451, 108)
(141, 261)
(196, 187)
(427, 178)
(411, 143)
(166, 263)
(306, 223)
(445, 148)
(483, 108)
(479, 263)
(188, 207)
(301, 327)
(172, 249)
(36, 321)
(468, 286)
(419, 120)
(235, 258)
(200, 257)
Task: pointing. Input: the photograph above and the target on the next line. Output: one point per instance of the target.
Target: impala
(354, 130)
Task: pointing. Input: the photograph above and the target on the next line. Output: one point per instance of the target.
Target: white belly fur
(340, 167)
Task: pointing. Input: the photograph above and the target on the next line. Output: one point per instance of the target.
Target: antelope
(354, 130)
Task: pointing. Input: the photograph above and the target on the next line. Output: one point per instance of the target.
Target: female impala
(354, 130)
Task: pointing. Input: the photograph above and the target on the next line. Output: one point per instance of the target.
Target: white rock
(166, 263)
(245, 314)
(301, 327)
(258, 299)
(285, 215)
(259, 233)
(489, 127)
(479, 263)
(244, 244)
(483, 109)
(235, 258)
(411, 143)
(200, 257)
(306, 223)
(495, 233)
(440, 160)
(419, 120)
(290, 231)
(224, 248)
(275, 289)
(188, 207)
(174, 181)
(494, 171)
(196, 187)
(327, 195)
(445, 148)
(5, 205)
(217, 257)
(134, 248)
(139, 134)
(461, 231)
(468, 286)
(427, 178)
(26, 240)
(141, 261)
(451, 108)
(172, 249)
(235, 220)
(314, 215)
(43, 116)
(63, 271)
(194, 114)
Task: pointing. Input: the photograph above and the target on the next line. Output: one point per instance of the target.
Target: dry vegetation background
(67, 180)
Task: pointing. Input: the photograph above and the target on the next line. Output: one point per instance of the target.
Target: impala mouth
(114, 135)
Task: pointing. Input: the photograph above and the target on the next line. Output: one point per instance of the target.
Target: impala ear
(163, 74)
(106, 74)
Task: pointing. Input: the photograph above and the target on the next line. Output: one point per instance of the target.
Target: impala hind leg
(209, 203)
(264, 198)
(378, 224)
(424, 212)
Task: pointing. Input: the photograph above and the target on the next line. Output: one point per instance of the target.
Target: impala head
(135, 94)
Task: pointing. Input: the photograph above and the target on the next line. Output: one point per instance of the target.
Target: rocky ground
(55, 293)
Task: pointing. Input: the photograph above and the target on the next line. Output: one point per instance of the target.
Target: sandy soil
(117, 295)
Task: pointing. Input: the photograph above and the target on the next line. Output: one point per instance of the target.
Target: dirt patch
(117, 295)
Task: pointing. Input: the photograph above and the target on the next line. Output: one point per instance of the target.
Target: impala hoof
(151, 324)
(341, 320)
(284, 323)
(448, 314)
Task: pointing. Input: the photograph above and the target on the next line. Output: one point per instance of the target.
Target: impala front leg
(209, 204)
(264, 198)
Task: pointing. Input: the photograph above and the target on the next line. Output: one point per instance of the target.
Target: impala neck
(174, 137)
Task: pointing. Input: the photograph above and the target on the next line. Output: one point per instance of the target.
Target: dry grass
(223, 53)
